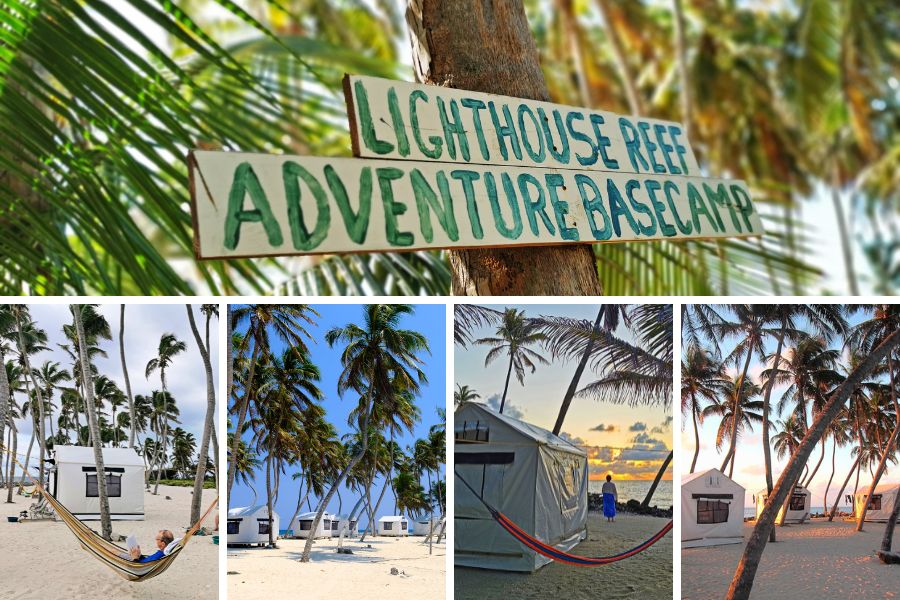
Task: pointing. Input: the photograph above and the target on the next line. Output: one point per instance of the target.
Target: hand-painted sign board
(406, 121)
(266, 205)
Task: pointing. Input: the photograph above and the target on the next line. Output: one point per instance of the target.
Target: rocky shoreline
(595, 503)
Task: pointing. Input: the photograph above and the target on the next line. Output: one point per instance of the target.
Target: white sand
(43, 559)
(647, 576)
(814, 560)
(264, 574)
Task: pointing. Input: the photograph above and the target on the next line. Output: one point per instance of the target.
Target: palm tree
(7, 325)
(514, 336)
(378, 359)
(183, 446)
(30, 339)
(839, 432)
(106, 390)
(13, 375)
(464, 394)
(209, 421)
(286, 322)
(164, 411)
(131, 415)
(169, 347)
(702, 379)
(93, 423)
(246, 463)
(737, 411)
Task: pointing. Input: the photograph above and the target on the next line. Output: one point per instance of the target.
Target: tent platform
(703, 543)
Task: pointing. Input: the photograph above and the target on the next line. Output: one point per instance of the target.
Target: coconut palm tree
(30, 339)
(13, 375)
(93, 422)
(703, 380)
(164, 412)
(246, 462)
(287, 323)
(514, 336)
(7, 326)
(183, 446)
(737, 411)
(839, 432)
(378, 359)
(128, 395)
(209, 420)
(169, 347)
(464, 393)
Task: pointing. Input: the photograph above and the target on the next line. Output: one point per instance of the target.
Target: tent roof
(248, 511)
(311, 515)
(698, 474)
(533, 432)
(797, 488)
(393, 518)
(887, 487)
(84, 455)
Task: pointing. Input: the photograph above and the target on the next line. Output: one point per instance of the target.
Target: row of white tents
(250, 525)
(712, 507)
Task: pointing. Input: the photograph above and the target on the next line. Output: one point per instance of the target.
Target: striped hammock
(554, 553)
(108, 553)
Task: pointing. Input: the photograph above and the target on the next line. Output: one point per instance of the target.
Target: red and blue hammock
(554, 553)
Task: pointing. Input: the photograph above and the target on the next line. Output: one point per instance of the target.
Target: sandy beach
(263, 574)
(44, 559)
(808, 561)
(646, 576)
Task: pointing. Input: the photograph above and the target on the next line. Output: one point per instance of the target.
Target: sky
(144, 325)
(629, 443)
(429, 320)
(749, 470)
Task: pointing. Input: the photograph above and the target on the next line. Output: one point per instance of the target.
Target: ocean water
(750, 511)
(636, 490)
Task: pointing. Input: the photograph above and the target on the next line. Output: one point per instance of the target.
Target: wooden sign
(266, 205)
(405, 121)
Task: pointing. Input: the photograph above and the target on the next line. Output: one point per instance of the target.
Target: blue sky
(749, 470)
(144, 324)
(430, 321)
(605, 430)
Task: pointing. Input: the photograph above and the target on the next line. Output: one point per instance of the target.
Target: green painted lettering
(245, 181)
(467, 178)
(356, 223)
(391, 208)
(303, 239)
(436, 141)
(366, 127)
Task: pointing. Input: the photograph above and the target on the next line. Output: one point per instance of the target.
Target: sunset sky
(629, 443)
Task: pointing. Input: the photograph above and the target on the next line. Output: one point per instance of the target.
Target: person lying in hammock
(163, 539)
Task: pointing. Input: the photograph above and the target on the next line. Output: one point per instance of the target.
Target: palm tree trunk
(94, 424)
(131, 416)
(208, 423)
(300, 500)
(659, 475)
(573, 35)
(827, 487)
(29, 374)
(767, 449)
(735, 413)
(370, 528)
(506, 387)
(742, 582)
(12, 463)
(888, 448)
(350, 465)
(696, 432)
(269, 498)
(431, 517)
(242, 409)
(479, 54)
(28, 455)
(165, 429)
(888, 539)
(843, 487)
(5, 398)
(816, 469)
(573, 385)
(215, 444)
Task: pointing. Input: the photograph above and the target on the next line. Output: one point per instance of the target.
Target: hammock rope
(105, 551)
(554, 553)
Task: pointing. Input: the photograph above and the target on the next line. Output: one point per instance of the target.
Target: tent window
(263, 526)
(113, 486)
(234, 526)
(472, 433)
(875, 502)
(712, 511)
(798, 502)
(334, 525)
(305, 525)
(388, 526)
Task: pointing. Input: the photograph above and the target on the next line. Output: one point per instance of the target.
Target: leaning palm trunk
(300, 500)
(5, 402)
(506, 387)
(888, 539)
(573, 385)
(833, 467)
(370, 526)
(816, 469)
(334, 487)
(94, 424)
(742, 583)
(208, 423)
(696, 431)
(843, 234)
(659, 475)
(29, 376)
(131, 415)
(843, 487)
(12, 463)
(377, 505)
(767, 450)
(28, 454)
(269, 506)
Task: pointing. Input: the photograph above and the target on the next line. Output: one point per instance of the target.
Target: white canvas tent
(350, 528)
(73, 481)
(393, 525)
(712, 510)
(882, 503)
(302, 525)
(424, 526)
(798, 507)
(249, 525)
(533, 477)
